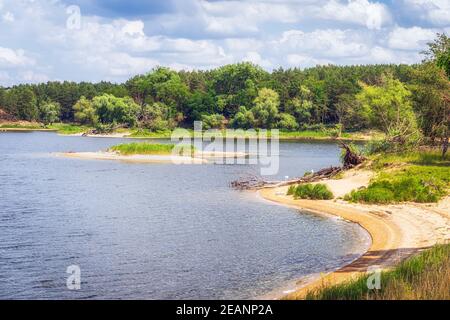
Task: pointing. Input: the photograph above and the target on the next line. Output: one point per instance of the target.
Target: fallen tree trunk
(351, 160)
(255, 183)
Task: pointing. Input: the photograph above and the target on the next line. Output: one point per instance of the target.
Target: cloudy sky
(94, 40)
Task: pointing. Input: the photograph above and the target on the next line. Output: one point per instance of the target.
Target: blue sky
(82, 40)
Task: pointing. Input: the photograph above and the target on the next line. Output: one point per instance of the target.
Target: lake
(155, 231)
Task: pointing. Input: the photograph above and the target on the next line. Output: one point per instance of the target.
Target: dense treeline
(397, 99)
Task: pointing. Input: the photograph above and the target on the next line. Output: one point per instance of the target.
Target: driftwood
(350, 160)
(257, 183)
(102, 131)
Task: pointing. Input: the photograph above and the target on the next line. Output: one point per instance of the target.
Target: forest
(408, 103)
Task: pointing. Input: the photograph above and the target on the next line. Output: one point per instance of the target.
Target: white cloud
(373, 15)
(202, 34)
(255, 57)
(436, 12)
(14, 58)
(297, 60)
(133, 28)
(324, 43)
(30, 76)
(8, 17)
(414, 38)
(4, 78)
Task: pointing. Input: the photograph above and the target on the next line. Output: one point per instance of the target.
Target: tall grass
(21, 126)
(414, 176)
(68, 128)
(425, 276)
(310, 191)
(150, 149)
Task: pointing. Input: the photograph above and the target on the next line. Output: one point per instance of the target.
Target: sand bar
(397, 231)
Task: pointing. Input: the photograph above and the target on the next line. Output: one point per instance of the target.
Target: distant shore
(76, 130)
(397, 231)
(25, 130)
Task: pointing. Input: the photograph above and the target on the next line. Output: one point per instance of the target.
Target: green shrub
(310, 191)
(400, 189)
(291, 190)
(150, 148)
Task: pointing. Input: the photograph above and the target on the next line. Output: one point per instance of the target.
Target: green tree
(22, 103)
(111, 109)
(439, 52)
(243, 119)
(85, 112)
(156, 117)
(236, 85)
(301, 106)
(266, 108)
(198, 104)
(213, 121)
(390, 110)
(49, 112)
(287, 122)
(351, 114)
(159, 85)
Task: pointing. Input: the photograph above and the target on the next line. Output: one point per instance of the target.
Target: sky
(111, 40)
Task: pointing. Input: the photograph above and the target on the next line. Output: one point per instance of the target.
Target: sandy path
(397, 231)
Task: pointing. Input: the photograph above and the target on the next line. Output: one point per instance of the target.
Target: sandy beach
(198, 157)
(397, 231)
(131, 158)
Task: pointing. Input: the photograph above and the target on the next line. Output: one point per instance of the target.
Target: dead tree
(350, 160)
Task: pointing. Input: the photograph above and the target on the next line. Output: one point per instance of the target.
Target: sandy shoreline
(397, 231)
(131, 158)
(198, 157)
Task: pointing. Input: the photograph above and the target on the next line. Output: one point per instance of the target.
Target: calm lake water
(154, 231)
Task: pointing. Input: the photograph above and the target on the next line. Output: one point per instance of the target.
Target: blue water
(154, 231)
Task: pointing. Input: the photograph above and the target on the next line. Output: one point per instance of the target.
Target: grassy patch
(145, 133)
(21, 126)
(421, 158)
(310, 191)
(425, 276)
(67, 128)
(414, 176)
(151, 149)
(286, 135)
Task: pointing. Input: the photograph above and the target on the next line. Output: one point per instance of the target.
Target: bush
(213, 121)
(401, 189)
(151, 149)
(287, 122)
(310, 191)
(291, 190)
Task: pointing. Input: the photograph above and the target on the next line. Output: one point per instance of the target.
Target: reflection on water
(153, 231)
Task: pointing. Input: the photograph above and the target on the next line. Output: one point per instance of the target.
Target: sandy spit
(198, 158)
(131, 158)
(397, 231)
